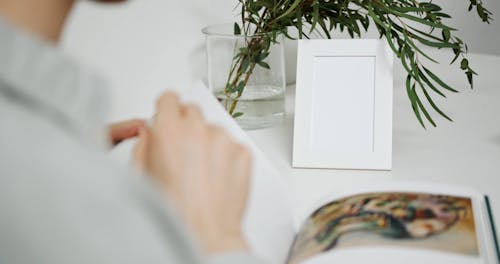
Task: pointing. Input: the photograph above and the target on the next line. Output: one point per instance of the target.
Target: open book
(398, 223)
(391, 223)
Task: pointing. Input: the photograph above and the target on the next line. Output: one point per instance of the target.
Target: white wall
(144, 46)
(480, 36)
(147, 45)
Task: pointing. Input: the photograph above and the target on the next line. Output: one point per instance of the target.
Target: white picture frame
(343, 104)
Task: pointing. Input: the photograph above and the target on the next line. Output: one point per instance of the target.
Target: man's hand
(125, 130)
(203, 171)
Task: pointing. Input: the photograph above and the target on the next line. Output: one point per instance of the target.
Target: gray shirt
(62, 200)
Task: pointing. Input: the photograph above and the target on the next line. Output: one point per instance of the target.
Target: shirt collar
(40, 76)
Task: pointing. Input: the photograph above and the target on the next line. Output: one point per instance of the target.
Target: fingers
(242, 161)
(203, 170)
(168, 102)
(235, 160)
(239, 155)
(217, 133)
(243, 156)
(125, 130)
(172, 113)
(168, 109)
(242, 166)
(140, 150)
(192, 112)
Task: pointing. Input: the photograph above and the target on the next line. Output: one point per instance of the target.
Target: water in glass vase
(262, 106)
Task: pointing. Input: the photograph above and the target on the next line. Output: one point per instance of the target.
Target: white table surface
(465, 152)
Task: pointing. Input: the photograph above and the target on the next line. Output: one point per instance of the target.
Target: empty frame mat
(343, 115)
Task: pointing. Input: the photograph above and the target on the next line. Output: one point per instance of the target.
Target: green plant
(400, 22)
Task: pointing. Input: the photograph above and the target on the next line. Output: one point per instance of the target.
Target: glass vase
(247, 75)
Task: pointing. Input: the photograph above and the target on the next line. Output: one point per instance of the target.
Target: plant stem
(255, 47)
(235, 101)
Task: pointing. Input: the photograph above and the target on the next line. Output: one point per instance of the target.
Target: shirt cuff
(235, 257)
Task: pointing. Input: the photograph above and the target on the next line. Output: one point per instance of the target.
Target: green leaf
(238, 114)
(440, 14)
(230, 88)
(409, 41)
(405, 52)
(470, 78)
(446, 35)
(366, 23)
(299, 23)
(430, 7)
(439, 81)
(290, 9)
(240, 87)
(407, 25)
(245, 64)
(424, 34)
(430, 84)
(377, 19)
(237, 29)
(411, 96)
(435, 44)
(315, 16)
(408, 9)
(325, 29)
(262, 57)
(480, 11)
(422, 107)
(464, 64)
(418, 19)
(434, 106)
(391, 43)
(457, 55)
(264, 65)
(244, 50)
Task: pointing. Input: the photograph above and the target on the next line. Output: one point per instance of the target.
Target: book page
(430, 225)
(268, 225)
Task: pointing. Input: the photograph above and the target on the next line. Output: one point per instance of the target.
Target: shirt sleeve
(64, 202)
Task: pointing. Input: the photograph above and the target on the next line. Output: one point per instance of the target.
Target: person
(61, 198)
